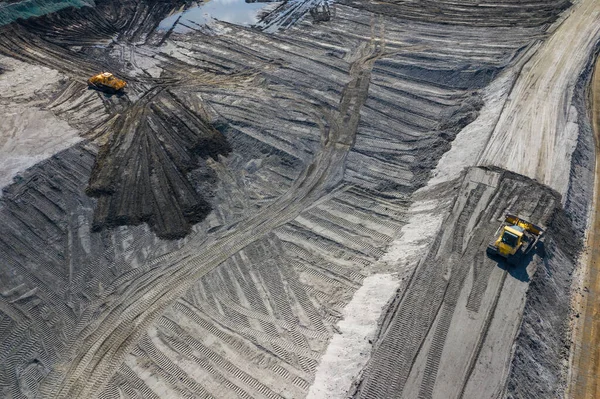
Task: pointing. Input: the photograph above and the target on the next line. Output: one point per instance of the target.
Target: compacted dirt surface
(291, 208)
(584, 381)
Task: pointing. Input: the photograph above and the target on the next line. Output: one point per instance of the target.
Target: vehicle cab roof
(516, 230)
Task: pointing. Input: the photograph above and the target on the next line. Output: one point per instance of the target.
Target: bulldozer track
(303, 207)
(410, 350)
(114, 338)
(483, 336)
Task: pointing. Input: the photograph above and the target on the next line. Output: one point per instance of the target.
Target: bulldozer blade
(511, 219)
(530, 227)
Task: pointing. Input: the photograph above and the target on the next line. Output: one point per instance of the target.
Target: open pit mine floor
(294, 201)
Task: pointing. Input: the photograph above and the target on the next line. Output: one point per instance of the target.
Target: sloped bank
(541, 351)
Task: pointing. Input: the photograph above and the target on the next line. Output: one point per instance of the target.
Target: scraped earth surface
(462, 308)
(207, 233)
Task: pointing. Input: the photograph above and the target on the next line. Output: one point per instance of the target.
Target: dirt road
(534, 135)
(585, 384)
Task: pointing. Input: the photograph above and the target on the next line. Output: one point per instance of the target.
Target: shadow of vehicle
(108, 93)
(519, 269)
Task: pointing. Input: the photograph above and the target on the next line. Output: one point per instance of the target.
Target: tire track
(122, 324)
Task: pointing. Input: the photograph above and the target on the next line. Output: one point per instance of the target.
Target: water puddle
(238, 12)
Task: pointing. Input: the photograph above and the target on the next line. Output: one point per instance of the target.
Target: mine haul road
(142, 300)
(534, 136)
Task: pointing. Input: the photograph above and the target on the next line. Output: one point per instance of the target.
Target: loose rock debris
(285, 158)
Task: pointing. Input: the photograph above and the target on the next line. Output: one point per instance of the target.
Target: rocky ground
(294, 209)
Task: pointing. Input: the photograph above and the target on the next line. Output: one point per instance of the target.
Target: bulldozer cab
(514, 238)
(510, 239)
(512, 235)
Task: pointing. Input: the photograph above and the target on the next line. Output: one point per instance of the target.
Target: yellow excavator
(514, 238)
(107, 82)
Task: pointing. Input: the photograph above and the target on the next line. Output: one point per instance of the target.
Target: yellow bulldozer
(514, 239)
(107, 82)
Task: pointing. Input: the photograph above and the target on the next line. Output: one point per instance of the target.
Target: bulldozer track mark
(229, 337)
(475, 355)
(435, 353)
(157, 363)
(173, 370)
(336, 265)
(338, 235)
(323, 274)
(263, 339)
(350, 227)
(332, 137)
(392, 228)
(133, 383)
(459, 268)
(324, 245)
(461, 223)
(215, 359)
(440, 278)
(482, 270)
(405, 327)
(271, 96)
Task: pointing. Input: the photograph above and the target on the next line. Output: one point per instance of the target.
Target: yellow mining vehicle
(107, 82)
(321, 12)
(514, 238)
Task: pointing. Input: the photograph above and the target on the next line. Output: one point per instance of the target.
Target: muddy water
(10, 12)
(233, 11)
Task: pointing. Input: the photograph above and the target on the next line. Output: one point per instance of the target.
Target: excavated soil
(140, 174)
(201, 235)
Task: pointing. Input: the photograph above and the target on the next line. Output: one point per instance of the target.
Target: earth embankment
(584, 382)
